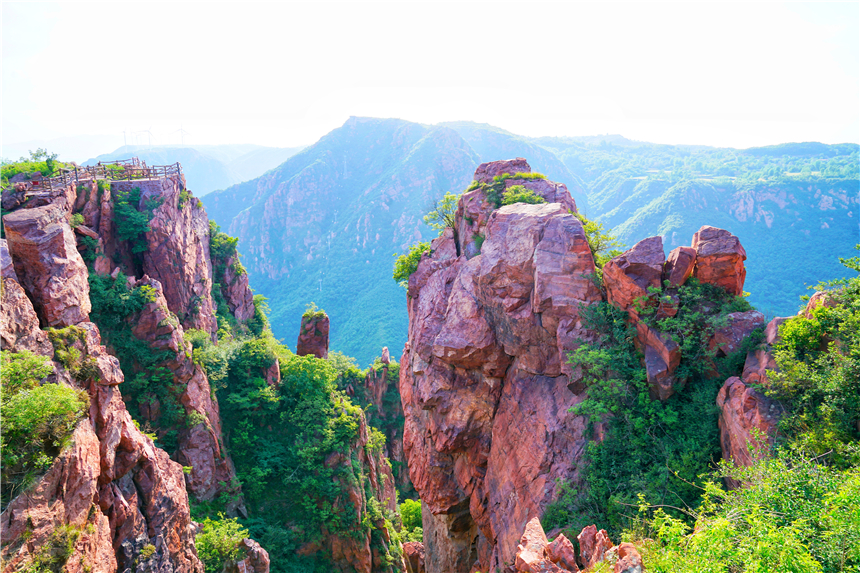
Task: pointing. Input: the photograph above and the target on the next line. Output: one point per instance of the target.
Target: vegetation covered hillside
(324, 225)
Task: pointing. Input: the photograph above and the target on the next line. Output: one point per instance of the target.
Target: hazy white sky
(285, 74)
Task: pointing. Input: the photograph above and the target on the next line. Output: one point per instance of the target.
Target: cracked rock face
(485, 381)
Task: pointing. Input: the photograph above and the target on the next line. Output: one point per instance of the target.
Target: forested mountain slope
(322, 227)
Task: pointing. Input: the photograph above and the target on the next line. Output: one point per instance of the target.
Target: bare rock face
(255, 560)
(48, 264)
(234, 287)
(313, 336)
(747, 417)
(19, 324)
(629, 275)
(679, 266)
(740, 325)
(719, 259)
(414, 556)
(178, 250)
(199, 446)
(484, 379)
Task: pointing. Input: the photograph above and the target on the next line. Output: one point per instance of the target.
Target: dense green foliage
(407, 264)
(40, 161)
(410, 514)
(132, 221)
(658, 449)
(218, 543)
(519, 194)
(312, 312)
(37, 419)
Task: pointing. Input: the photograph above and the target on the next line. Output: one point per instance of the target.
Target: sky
(83, 78)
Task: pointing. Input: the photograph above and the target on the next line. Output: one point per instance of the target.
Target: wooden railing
(121, 170)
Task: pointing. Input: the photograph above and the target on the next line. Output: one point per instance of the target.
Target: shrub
(218, 542)
(312, 312)
(131, 222)
(519, 194)
(77, 220)
(410, 514)
(407, 264)
(603, 245)
(442, 215)
(37, 420)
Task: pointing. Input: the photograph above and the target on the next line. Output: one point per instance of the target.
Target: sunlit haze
(736, 75)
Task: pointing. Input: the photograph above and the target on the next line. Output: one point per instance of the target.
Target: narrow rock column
(313, 335)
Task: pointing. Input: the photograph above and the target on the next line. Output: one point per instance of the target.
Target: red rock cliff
(484, 379)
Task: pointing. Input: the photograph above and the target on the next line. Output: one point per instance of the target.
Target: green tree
(603, 245)
(442, 215)
(407, 264)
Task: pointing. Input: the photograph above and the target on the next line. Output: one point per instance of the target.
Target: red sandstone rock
(740, 325)
(313, 337)
(662, 355)
(487, 171)
(758, 362)
(561, 552)
(628, 276)
(593, 545)
(679, 266)
(485, 384)
(177, 252)
(19, 324)
(719, 259)
(234, 287)
(255, 560)
(48, 264)
(629, 560)
(771, 331)
(744, 412)
(414, 553)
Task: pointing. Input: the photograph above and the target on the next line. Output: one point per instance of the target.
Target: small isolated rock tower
(313, 334)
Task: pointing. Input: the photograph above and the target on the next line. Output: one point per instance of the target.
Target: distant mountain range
(208, 167)
(324, 224)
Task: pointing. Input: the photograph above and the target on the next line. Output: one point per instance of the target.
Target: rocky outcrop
(475, 206)
(313, 336)
(235, 289)
(635, 278)
(19, 324)
(719, 259)
(484, 378)
(413, 553)
(177, 253)
(48, 265)
(112, 489)
(199, 435)
(366, 550)
(537, 555)
(748, 424)
(255, 560)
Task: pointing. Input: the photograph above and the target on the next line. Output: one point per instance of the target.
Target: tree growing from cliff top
(603, 245)
(407, 264)
(442, 215)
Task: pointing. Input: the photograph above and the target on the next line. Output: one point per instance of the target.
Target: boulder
(629, 560)
(487, 171)
(740, 325)
(255, 559)
(628, 276)
(414, 554)
(48, 264)
(679, 266)
(719, 259)
(662, 356)
(593, 545)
